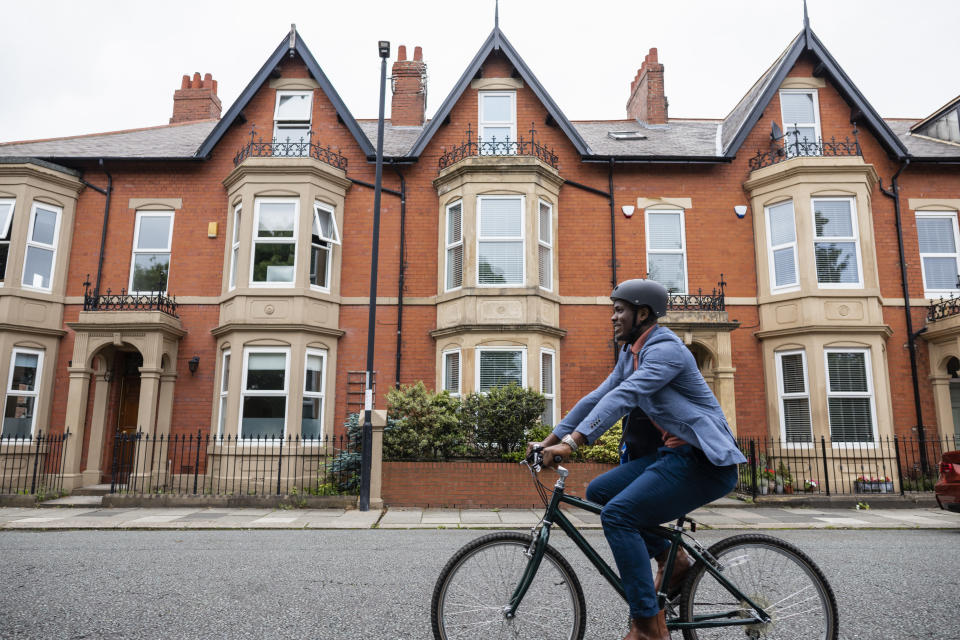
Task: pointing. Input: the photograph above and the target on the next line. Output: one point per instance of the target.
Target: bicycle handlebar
(535, 459)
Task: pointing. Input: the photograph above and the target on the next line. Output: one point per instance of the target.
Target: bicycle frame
(553, 516)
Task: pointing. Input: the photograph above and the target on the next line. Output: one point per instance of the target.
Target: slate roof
(679, 138)
(397, 141)
(921, 147)
(169, 141)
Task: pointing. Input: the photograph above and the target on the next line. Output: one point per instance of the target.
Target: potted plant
(810, 485)
(784, 479)
(871, 484)
(765, 479)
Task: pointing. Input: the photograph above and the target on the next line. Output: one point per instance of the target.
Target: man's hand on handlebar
(551, 449)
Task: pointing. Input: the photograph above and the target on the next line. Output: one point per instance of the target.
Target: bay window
(939, 254)
(291, 121)
(264, 401)
(451, 372)
(800, 113)
(500, 240)
(794, 397)
(41, 247)
(499, 366)
(274, 242)
(150, 263)
(545, 245)
(498, 121)
(546, 386)
(850, 396)
(20, 405)
(323, 236)
(235, 253)
(311, 422)
(666, 249)
(836, 242)
(6, 224)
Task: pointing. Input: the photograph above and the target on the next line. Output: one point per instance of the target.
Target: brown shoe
(652, 628)
(681, 565)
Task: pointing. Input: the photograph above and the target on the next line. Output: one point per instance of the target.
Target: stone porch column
(98, 430)
(379, 420)
(726, 395)
(149, 397)
(942, 404)
(165, 403)
(74, 421)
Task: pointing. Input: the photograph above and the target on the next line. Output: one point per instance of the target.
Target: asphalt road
(377, 583)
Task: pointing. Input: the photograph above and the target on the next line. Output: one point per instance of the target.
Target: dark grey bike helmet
(641, 292)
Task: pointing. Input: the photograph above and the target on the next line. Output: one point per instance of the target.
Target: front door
(955, 407)
(127, 411)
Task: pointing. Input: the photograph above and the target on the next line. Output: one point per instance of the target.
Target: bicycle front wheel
(479, 580)
(776, 576)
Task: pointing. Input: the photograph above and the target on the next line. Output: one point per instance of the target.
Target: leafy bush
(501, 419)
(607, 447)
(343, 476)
(423, 424)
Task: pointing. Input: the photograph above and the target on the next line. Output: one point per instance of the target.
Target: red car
(948, 485)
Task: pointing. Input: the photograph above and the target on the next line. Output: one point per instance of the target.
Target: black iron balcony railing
(699, 301)
(494, 147)
(783, 149)
(260, 148)
(123, 301)
(943, 309)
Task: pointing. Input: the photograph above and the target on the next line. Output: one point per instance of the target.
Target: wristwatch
(570, 442)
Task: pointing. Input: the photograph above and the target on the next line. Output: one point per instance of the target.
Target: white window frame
(522, 239)
(6, 227)
(523, 363)
(31, 243)
(35, 394)
(244, 392)
(855, 238)
(783, 395)
(277, 121)
(332, 241)
(254, 241)
(952, 216)
(683, 243)
(871, 393)
(450, 246)
(235, 248)
(552, 397)
(134, 251)
(224, 393)
(322, 353)
(443, 372)
(483, 123)
(818, 134)
(786, 288)
(546, 244)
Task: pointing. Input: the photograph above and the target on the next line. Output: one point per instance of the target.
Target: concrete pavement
(729, 514)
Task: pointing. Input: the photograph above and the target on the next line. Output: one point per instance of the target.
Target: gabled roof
(285, 46)
(738, 124)
(168, 142)
(497, 41)
(953, 104)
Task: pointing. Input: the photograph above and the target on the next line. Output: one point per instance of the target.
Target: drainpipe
(106, 217)
(894, 194)
(403, 267)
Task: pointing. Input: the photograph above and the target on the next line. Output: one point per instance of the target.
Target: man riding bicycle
(677, 452)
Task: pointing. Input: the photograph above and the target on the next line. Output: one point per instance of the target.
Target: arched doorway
(953, 370)
(122, 411)
(706, 364)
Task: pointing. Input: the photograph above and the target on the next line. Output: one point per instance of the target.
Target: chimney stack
(647, 102)
(409, 104)
(196, 99)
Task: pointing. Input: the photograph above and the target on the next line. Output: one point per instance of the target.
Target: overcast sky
(69, 68)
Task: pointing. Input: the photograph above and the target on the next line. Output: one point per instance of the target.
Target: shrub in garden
(606, 449)
(501, 418)
(423, 424)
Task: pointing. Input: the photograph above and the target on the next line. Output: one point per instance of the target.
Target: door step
(92, 490)
(73, 501)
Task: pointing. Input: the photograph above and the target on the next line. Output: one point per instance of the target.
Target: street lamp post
(367, 443)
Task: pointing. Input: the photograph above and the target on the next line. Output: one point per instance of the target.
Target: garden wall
(476, 484)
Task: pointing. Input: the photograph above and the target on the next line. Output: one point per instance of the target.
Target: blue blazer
(669, 388)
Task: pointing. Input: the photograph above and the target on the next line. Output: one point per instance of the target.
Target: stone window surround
(782, 395)
(296, 344)
(816, 112)
(944, 206)
(815, 346)
(654, 210)
(36, 393)
(308, 181)
(140, 213)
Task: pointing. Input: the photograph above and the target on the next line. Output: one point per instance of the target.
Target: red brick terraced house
(212, 274)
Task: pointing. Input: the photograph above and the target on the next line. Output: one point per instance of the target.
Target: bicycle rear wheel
(774, 574)
(478, 581)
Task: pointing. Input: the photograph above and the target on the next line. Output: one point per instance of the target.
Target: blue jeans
(644, 493)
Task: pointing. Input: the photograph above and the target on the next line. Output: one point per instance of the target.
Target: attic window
(626, 135)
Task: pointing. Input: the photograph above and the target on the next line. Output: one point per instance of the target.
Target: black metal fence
(888, 466)
(203, 464)
(33, 466)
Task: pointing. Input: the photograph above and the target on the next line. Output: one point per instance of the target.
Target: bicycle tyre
(777, 576)
(486, 571)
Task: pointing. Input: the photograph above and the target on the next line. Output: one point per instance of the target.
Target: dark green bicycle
(515, 585)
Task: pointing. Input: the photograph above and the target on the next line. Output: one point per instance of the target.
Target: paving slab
(479, 516)
(74, 501)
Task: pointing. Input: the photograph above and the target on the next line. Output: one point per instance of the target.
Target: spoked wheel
(775, 575)
(478, 581)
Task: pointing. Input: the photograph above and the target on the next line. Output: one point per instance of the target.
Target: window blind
(500, 218)
(500, 368)
(451, 374)
(797, 108)
(849, 397)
